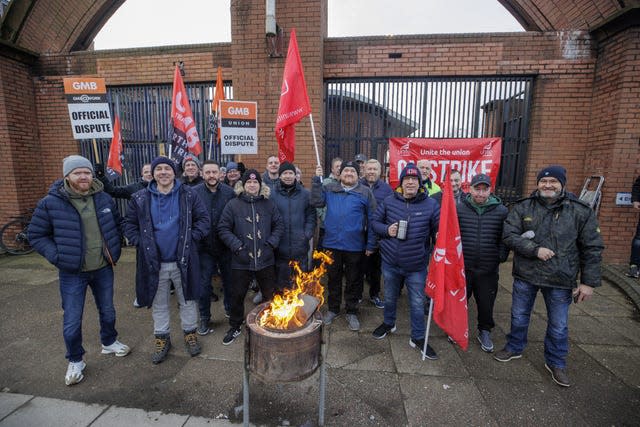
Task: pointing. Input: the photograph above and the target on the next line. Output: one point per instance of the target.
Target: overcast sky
(208, 21)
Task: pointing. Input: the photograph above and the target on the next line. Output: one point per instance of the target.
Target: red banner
(114, 163)
(470, 156)
(184, 135)
(446, 283)
(294, 102)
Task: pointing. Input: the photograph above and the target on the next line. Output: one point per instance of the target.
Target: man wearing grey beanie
(76, 227)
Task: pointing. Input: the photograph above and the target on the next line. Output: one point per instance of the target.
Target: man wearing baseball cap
(556, 242)
(76, 227)
(480, 216)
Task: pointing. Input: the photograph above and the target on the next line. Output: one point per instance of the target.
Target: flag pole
(315, 143)
(426, 334)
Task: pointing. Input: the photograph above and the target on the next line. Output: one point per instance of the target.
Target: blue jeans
(556, 340)
(73, 290)
(394, 277)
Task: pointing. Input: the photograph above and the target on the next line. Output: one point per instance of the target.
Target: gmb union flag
(183, 133)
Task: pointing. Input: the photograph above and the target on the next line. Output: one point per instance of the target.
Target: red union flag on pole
(215, 105)
(184, 135)
(446, 283)
(294, 102)
(114, 164)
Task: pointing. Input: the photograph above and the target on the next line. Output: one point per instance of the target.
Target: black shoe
(382, 331)
(191, 343)
(163, 345)
(505, 355)
(559, 375)
(633, 271)
(231, 335)
(419, 344)
(204, 328)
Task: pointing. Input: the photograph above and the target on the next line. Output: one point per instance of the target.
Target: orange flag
(184, 135)
(294, 102)
(446, 283)
(215, 105)
(114, 163)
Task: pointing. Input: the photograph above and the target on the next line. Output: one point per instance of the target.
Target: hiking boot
(382, 331)
(484, 337)
(559, 375)
(116, 348)
(191, 343)
(353, 322)
(74, 373)
(328, 317)
(419, 344)
(633, 271)
(505, 355)
(377, 302)
(231, 335)
(163, 345)
(257, 299)
(204, 328)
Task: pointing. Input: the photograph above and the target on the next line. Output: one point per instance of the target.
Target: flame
(285, 311)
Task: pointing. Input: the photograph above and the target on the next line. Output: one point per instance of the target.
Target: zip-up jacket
(214, 203)
(569, 228)
(299, 219)
(56, 233)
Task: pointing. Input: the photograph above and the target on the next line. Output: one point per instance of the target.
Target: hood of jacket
(264, 192)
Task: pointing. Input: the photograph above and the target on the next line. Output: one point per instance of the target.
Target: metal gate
(362, 114)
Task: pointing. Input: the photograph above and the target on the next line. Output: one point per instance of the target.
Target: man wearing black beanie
(554, 237)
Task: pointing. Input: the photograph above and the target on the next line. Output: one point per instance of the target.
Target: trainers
(74, 373)
(191, 343)
(257, 299)
(484, 337)
(377, 302)
(559, 375)
(353, 322)
(116, 348)
(382, 331)
(328, 317)
(163, 345)
(204, 328)
(633, 271)
(135, 303)
(505, 355)
(231, 335)
(419, 344)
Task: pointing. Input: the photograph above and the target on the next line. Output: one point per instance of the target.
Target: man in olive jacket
(554, 237)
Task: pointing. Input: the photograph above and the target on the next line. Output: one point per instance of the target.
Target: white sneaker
(117, 347)
(74, 373)
(258, 298)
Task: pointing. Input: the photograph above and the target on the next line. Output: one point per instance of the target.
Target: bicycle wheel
(13, 237)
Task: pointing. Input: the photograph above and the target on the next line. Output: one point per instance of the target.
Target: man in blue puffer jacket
(76, 228)
(347, 223)
(405, 257)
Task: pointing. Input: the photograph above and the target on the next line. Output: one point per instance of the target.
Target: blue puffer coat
(138, 229)
(55, 231)
(423, 214)
(299, 220)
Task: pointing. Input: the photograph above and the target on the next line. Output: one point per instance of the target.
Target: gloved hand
(98, 168)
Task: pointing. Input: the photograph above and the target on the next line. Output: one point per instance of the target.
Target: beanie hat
(162, 159)
(74, 162)
(191, 158)
(350, 164)
(251, 174)
(231, 166)
(286, 166)
(410, 170)
(555, 171)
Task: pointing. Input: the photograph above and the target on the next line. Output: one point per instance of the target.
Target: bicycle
(13, 235)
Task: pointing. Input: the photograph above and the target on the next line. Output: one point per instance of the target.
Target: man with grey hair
(76, 227)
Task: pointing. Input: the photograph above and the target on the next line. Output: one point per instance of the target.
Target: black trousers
(483, 287)
(372, 269)
(266, 279)
(349, 265)
(284, 271)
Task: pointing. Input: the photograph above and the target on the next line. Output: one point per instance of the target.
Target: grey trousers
(169, 273)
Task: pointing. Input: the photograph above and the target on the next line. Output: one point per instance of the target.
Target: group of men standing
(187, 230)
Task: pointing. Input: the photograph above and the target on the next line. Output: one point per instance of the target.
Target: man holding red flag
(446, 284)
(404, 222)
(294, 102)
(184, 135)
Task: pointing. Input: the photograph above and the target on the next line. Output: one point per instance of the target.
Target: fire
(289, 310)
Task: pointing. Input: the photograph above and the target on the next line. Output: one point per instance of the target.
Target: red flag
(215, 105)
(446, 283)
(294, 102)
(114, 164)
(184, 136)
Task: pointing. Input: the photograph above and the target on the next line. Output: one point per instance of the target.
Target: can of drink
(402, 230)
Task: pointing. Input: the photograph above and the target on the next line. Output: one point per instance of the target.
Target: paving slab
(115, 416)
(53, 413)
(10, 402)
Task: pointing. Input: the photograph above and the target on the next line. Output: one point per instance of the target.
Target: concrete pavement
(370, 382)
